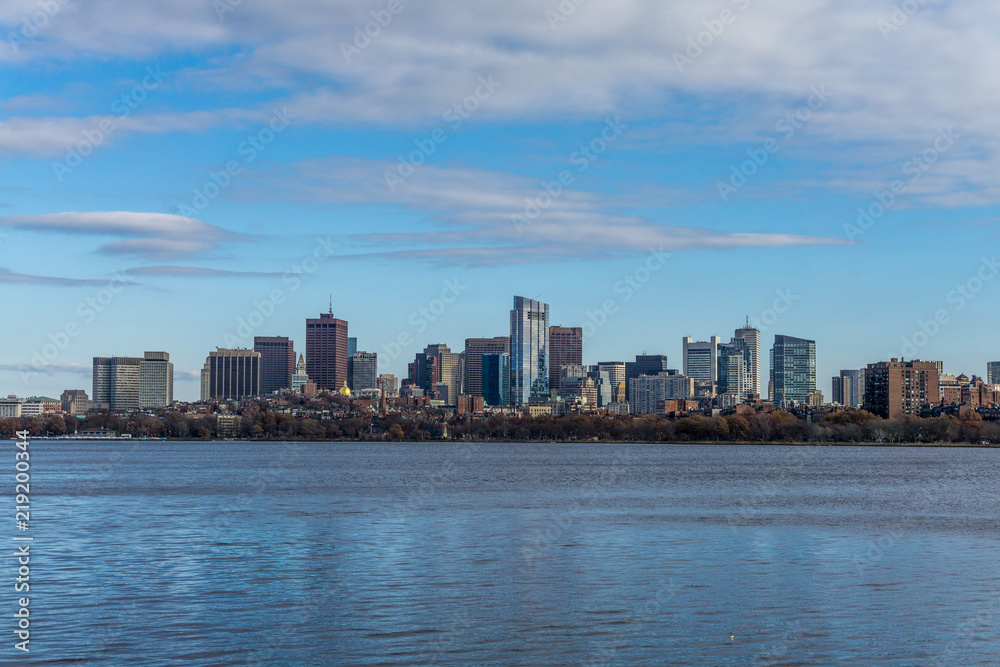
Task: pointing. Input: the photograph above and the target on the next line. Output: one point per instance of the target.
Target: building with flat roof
(529, 351)
(230, 375)
(475, 348)
(793, 370)
(701, 358)
(277, 362)
(326, 351)
(895, 388)
(565, 349)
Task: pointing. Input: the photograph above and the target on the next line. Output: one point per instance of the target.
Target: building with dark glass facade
(230, 375)
(793, 370)
(475, 348)
(529, 351)
(496, 379)
(277, 362)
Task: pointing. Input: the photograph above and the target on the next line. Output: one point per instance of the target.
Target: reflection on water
(404, 554)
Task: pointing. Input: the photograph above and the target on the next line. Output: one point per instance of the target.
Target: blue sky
(168, 169)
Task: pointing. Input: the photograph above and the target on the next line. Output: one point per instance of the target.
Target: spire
(331, 305)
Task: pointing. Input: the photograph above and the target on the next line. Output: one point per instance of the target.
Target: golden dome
(345, 390)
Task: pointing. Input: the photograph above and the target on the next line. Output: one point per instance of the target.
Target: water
(197, 553)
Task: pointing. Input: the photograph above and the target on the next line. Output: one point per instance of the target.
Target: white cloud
(149, 235)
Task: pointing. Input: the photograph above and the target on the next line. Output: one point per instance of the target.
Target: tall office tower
(448, 369)
(326, 351)
(733, 368)
(565, 349)
(849, 388)
(156, 380)
(529, 351)
(602, 381)
(130, 383)
(300, 378)
(616, 372)
(475, 348)
(352, 345)
(993, 372)
(116, 382)
(424, 372)
(277, 362)
(389, 384)
(365, 375)
(895, 388)
(751, 337)
(496, 379)
(644, 364)
(793, 370)
(230, 375)
(701, 358)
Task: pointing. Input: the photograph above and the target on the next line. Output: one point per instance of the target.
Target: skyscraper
(733, 368)
(565, 349)
(529, 351)
(230, 375)
(701, 359)
(496, 379)
(849, 388)
(751, 337)
(475, 348)
(644, 364)
(449, 370)
(326, 351)
(130, 383)
(793, 370)
(365, 375)
(277, 362)
(993, 372)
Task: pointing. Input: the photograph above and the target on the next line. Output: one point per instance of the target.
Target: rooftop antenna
(331, 304)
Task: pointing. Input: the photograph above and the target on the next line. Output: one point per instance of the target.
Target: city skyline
(157, 182)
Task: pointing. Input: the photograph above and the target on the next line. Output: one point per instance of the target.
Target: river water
(230, 553)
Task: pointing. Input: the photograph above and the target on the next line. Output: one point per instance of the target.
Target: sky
(184, 175)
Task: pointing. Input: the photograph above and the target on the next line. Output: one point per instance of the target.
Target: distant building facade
(326, 351)
(475, 348)
(701, 358)
(131, 383)
(230, 375)
(529, 351)
(895, 388)
(993, 372)
(277, 362)
(364, 366)
(849, 388)
(793, 370)
(565, 349)
(496, 379)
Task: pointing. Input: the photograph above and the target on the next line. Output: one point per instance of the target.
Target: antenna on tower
(331, 304)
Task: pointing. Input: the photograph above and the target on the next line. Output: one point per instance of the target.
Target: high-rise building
(895, 388)
(352, 345)
(365, 371)
(615, 369)
(496, 379)
(130, 383)
(644, 364)
(326, 351)
(449, 369)
(602, 382)
(734, 368)
(424, 372)
(565, 349)
(648, 390)
(793, 370)
(156, 380)
(701, 358)
(993, 372)
(277, 362)
(475, 348)
(751, 337)
(300, 378)
(230, 375)
(529, 351)
(849, 388)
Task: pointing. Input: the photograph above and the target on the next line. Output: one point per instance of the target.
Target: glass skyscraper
(529, 351)
(496, 379)
(793, 370)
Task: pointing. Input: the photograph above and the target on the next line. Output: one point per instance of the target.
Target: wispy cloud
(146, 235)
(8, 276)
